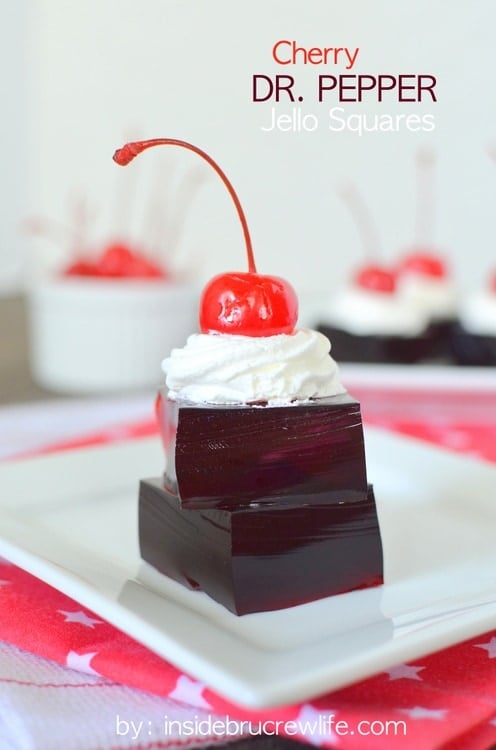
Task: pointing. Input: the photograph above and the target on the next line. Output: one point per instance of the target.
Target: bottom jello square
(266, 557)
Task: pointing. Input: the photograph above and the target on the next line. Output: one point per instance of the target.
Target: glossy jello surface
(262, 557)
(225, 456)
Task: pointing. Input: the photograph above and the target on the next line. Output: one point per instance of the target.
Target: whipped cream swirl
(226, 369)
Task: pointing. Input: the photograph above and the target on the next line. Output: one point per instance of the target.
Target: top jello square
(254, 410)
(224, 456)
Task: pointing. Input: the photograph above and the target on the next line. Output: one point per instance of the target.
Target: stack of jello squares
(264, 503)
(262, 507)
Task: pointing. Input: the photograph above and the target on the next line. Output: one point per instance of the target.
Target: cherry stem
(424, 214)
(127, 153)
(362, 218)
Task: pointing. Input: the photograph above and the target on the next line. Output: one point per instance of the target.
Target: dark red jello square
(219, 453)
(263, 557)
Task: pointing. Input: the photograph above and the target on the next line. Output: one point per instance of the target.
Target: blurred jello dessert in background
(264, 503)
(366, 319)
(101, 319)
(402, 314)
(474, 336)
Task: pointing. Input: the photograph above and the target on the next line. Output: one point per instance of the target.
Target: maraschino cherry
(117, 261)
(375, 279)
(424, 264)
(247, 304)
(81, 267)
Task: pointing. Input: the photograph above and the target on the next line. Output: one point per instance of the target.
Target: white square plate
(71, 520)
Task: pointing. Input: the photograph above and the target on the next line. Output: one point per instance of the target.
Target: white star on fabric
(404, 671)
(190, 692)
(310, 721)
(419, 712)
(80, 617)
(81, 662)
(490, 647)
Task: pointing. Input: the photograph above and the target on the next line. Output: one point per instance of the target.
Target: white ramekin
(99, 335)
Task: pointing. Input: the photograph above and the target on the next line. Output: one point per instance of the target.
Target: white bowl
(100, 335)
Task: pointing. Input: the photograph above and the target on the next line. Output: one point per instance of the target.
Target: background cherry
(375, 279)
(369, 276)
(116, 260)
(81, 268)
(247, 304)
(424, 264)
